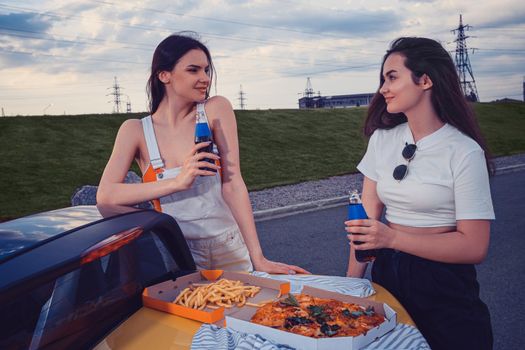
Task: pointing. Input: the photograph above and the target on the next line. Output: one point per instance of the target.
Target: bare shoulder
(131, 125)
(130, 134)
(217, 106)
(130, 128)
(220, 112)
(218, 102)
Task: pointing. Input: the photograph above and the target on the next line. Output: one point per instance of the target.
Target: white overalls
(205, 219)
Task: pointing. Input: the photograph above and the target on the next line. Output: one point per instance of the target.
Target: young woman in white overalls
(212, 208)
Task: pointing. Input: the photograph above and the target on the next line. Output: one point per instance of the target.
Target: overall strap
(151, 143)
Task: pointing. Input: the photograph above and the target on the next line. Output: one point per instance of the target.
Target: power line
(251, 24)
(144, 47)
(333, 70)
(505, 28)
(317, 62)
(337, 68)
(68, 57)
(135, 26)
(84, 40)
(517, 51)
(150, 47)
(61, 86)
(151, 28)
(221, 20)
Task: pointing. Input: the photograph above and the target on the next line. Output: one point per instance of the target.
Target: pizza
(316, 317)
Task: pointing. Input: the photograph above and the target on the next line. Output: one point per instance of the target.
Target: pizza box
(161, 296)
(240, 321)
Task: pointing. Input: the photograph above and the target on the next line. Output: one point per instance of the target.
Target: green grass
(45, 158)
(503, 125)
(287, 146)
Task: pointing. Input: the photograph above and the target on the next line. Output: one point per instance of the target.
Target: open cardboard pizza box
(161, 296)
(240, 321)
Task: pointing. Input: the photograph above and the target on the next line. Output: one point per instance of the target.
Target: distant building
(338, 101)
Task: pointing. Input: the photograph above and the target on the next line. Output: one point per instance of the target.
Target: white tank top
(200, 211)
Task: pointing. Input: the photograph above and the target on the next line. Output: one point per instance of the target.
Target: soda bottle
(203, 134)
(357, 211)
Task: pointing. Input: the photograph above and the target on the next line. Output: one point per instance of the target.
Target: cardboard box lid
(240, 321)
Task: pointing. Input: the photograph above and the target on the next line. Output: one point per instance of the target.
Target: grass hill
(45, 158)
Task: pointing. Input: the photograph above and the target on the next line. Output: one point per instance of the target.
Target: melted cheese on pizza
(317, 317)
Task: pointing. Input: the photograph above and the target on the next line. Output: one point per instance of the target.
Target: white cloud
(67, 52)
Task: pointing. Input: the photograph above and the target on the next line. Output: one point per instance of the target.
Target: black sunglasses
(401, 171)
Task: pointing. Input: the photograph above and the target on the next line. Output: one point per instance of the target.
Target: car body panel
(151, 329)
(28, 232)
(52, 297)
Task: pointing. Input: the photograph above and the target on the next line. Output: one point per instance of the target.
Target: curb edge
(280, 212)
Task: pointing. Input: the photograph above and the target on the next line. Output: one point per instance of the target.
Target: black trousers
(442, 299)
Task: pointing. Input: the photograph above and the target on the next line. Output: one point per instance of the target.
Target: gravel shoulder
(313, 195)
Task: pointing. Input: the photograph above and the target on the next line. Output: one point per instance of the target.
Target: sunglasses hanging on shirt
(401, 171)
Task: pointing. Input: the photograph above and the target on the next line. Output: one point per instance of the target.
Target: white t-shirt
(447, 179)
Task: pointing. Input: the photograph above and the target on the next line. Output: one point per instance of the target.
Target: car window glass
(79, 307)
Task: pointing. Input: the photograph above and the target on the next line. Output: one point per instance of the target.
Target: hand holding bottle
(369, 235)
(357, 211)
(196, 164)
(203, 134)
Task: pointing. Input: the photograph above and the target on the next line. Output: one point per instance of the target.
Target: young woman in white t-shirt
(427, 166)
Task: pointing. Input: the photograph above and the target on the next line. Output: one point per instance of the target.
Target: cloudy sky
(61, 56)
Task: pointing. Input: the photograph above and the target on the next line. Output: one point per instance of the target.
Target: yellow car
(70, 279)
(69, 276)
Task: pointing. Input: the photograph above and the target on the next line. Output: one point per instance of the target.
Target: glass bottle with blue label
(356, 211)
(203, 134)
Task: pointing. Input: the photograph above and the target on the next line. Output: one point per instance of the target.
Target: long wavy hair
(427, 56)
(165, 57)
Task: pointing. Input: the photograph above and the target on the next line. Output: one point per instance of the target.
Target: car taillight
(110, 244)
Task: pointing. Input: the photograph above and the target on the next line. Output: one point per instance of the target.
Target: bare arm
(234, 189)
(374, 209)
(468, 244)
(114, 196)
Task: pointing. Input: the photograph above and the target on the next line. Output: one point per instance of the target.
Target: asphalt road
(317, 242)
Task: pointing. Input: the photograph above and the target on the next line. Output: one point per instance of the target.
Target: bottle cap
(354, 197)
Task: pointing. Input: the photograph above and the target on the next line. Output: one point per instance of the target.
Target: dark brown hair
(427, 56)
(165, 57)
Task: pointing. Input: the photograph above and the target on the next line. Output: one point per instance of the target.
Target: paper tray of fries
(208, 295)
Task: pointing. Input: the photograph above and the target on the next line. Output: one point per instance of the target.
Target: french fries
(222, 293)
